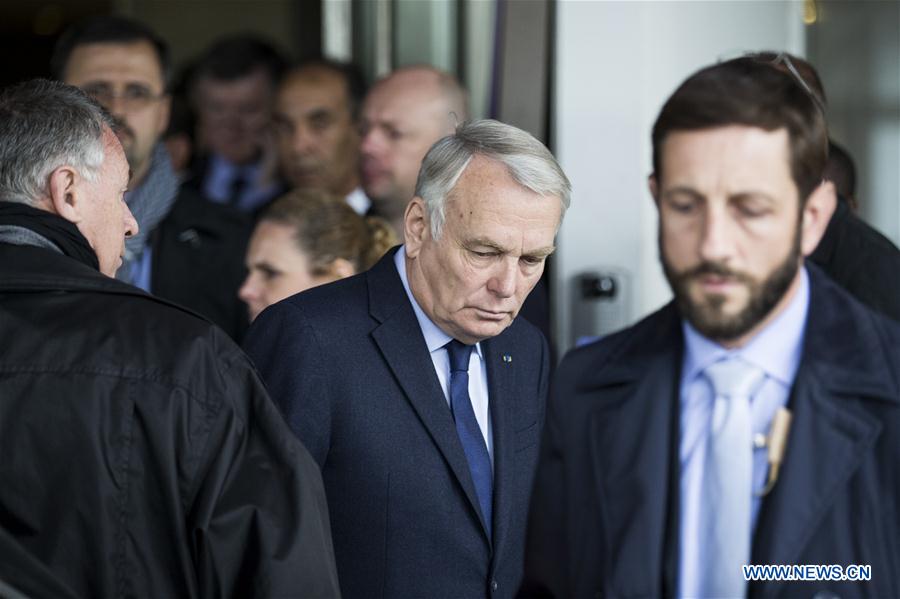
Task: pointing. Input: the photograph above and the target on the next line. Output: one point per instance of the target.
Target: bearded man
(753, 420)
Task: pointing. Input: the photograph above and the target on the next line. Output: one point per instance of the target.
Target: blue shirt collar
(776, 349)
(435, 337)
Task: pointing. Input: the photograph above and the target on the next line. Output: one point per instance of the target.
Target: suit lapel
(400, 340)
(832, 434)
(827, 444)
(502, 392)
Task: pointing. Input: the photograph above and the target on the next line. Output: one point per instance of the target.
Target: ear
(415, 226)
(653, 186)
(816, 215)
(341, 269)
(65, 195)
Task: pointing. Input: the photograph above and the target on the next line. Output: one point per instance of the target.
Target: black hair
(107, 29)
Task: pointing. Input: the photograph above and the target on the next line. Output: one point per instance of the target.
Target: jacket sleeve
(287, 353)
(545, 542)
(259, 518)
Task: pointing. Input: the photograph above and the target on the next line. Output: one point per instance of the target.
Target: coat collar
(29, 268)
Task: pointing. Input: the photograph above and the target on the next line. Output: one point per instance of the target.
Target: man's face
(318, 143)
(234, 116)
(277, 267)
(401, 119)
(128, 80)
(731, 240)
(496, 237)
(106, 219)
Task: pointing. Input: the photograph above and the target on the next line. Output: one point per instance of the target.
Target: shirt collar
(229, 170)
(776, 349)
(435, 337)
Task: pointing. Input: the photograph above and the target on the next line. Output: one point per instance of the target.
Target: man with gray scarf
(186, 251)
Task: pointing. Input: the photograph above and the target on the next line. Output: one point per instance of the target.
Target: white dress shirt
(436, 339)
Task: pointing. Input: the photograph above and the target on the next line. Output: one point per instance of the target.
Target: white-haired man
(414, 385)
(142, 456)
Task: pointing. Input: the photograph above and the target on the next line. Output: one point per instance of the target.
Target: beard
(708, 315)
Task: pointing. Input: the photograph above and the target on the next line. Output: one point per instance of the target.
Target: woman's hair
(326, 228)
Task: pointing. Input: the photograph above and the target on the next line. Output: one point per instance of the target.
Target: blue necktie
(728, 477)
(467, 428)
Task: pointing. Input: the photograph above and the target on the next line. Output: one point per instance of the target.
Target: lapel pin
(507, 358)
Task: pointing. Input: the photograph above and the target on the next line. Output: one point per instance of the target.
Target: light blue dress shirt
(776, 350)
(142, 269)
(436, 339)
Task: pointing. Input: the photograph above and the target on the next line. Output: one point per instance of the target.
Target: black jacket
(140, 453)
(198, 260)
(861, 260)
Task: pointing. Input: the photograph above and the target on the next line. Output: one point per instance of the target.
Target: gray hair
(44, 125)
(528, 161)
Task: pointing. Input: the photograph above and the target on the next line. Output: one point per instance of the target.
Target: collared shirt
(142, 269)
(776, 350)
(436, 339)
(150, 202)
(220, 176)
(359, 201)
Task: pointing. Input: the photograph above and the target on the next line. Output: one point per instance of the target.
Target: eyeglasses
(133, 98)
(784, 59)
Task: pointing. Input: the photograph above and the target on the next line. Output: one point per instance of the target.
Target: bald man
(317, 129)
(403, 115)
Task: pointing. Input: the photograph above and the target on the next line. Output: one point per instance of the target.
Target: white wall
(616, 63)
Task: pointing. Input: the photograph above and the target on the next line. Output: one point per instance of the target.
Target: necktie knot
(734, 378)
(459, 355)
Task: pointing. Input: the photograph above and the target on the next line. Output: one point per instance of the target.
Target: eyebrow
(479, 241)
(682, 190)
(750, 193)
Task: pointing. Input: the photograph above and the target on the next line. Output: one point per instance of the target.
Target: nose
(247, 290)
(370, 142)
(131, 224)
(250, 294)
(503, 280)
(717, 235)
(302, 141)
(115, 104)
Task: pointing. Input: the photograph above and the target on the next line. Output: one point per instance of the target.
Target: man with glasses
(125, 66)
(752, 421)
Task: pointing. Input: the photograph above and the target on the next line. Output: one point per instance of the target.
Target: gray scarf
(149, 203)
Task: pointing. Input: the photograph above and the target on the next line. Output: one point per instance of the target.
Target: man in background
(415, 385)
(403, 115)
(187, 251)
(317, 129)
(142, 456)
(233, 93)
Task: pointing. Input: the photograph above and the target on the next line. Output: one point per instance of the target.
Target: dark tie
(236, 189)
(470, 436)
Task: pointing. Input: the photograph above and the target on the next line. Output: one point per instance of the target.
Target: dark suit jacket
(198, 260)
(861, 260)
(604, 517)
(348, 364)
